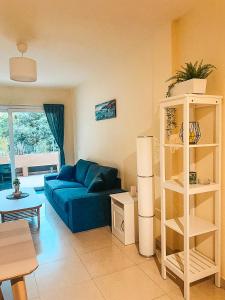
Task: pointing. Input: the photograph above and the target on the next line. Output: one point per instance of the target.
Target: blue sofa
(80, 194)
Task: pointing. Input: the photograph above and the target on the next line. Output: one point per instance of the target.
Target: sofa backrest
(87, 170)
(81, 169)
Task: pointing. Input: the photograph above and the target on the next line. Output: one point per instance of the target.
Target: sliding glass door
(27, 148)
(35, 149)
(6, 166)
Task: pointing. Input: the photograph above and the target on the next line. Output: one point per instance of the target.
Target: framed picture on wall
(105, 110)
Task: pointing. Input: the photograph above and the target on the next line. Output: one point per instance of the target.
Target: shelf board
(176, 186)
(198, 100)
(174, 145)
(173, 186)
(203, 188)
(203, 145)
(200, 266)
(191, 146)
(198, 226)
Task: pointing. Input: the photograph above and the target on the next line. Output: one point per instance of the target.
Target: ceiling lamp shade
(22, 68)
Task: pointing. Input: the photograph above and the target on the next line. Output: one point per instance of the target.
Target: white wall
(128, 79)
(162, 68)
(38, 96)
(137, 81)
(200, 36)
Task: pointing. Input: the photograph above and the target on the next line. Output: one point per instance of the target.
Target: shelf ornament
(194, 133)
(170, 120)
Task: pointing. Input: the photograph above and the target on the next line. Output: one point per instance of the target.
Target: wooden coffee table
(24, 208)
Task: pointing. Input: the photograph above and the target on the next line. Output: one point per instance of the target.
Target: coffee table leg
(1, 295)
(3, 218)
(19, 288)
(39, 219)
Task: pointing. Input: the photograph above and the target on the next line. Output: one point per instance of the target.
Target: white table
(20, 208)
(17, 256)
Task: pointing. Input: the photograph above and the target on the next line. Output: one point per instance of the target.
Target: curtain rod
(7, 106)
(21, 107)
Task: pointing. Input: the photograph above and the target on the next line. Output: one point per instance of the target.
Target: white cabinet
(123, 220)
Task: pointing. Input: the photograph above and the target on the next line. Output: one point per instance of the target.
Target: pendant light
(23, 69)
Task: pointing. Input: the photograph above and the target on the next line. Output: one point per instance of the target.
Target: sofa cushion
(62, 184)
(81, 170)
(97, 184)
(63, 196)
(66, 173)
(109, 176)
(91, 174)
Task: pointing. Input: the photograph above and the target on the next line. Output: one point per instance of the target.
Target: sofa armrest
(51, 176)
(117, 183)
(111, 191)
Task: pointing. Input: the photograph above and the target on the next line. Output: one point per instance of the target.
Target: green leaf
(190, 71)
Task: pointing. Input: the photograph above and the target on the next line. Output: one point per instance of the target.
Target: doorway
(28, 149)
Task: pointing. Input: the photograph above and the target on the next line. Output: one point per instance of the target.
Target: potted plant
(16, 184)
(191, 79)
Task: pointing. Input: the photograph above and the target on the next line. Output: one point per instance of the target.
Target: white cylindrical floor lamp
(145, 195)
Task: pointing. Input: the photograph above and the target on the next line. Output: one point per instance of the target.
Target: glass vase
(194, 133)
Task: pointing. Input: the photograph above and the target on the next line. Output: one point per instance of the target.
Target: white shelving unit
(190, 265)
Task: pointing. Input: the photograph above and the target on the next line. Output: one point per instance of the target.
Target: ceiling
(69, 38)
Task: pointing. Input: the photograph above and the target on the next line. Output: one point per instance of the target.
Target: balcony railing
(27, 161)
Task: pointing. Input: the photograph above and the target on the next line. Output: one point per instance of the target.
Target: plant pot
(192, 86)
(17, 188)
(17, 195)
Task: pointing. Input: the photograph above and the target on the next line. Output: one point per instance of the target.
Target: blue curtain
(55, 117)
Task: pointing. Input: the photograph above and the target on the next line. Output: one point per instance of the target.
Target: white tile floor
(94, 265)
(32, 180)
